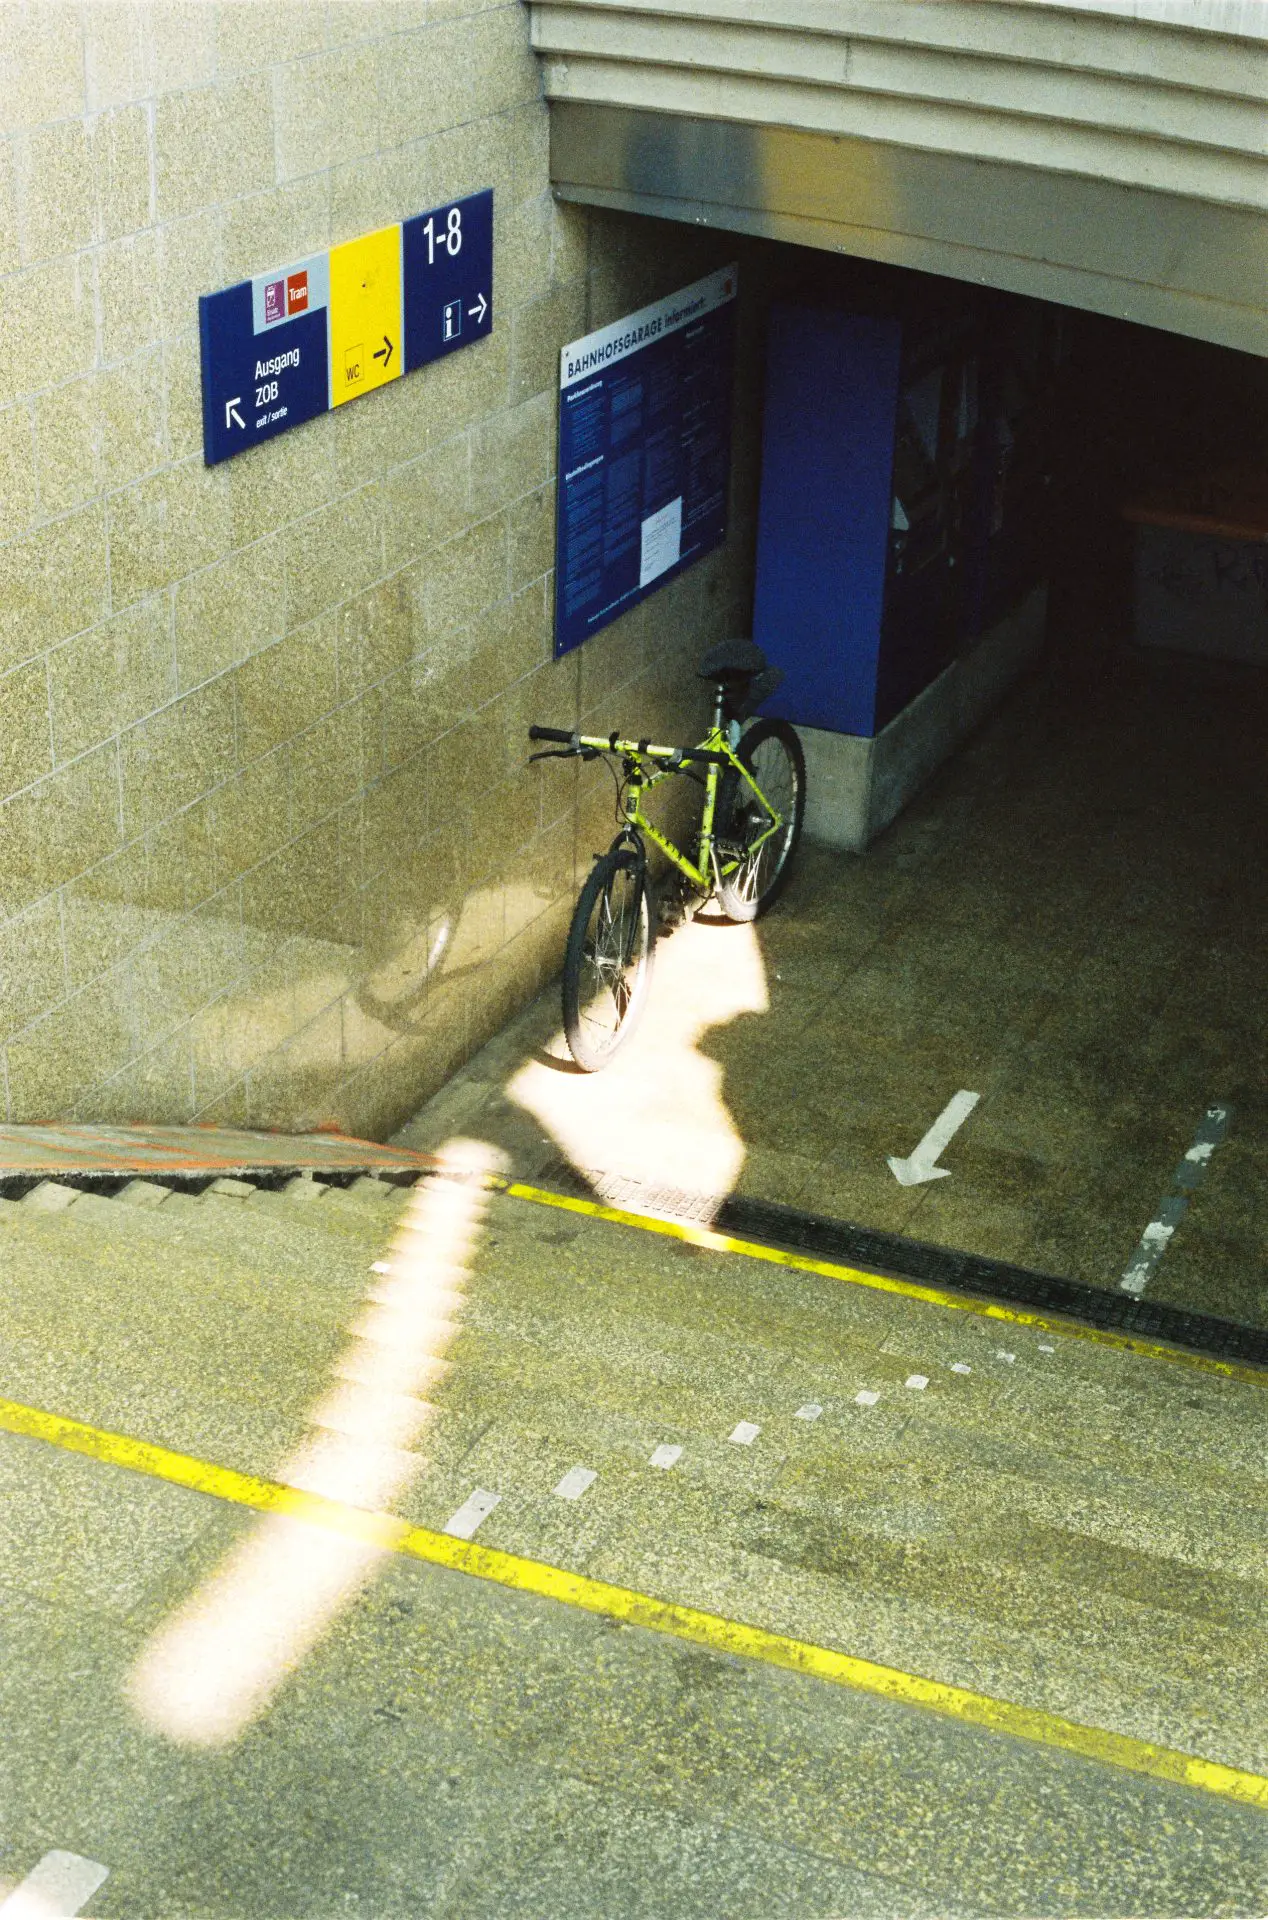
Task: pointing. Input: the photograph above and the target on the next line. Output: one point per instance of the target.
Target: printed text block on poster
(644, 453)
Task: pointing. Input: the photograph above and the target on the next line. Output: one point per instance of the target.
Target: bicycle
(754, 802)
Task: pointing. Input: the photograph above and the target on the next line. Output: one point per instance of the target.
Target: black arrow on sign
(385, 353)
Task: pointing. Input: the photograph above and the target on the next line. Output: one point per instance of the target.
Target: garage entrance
(1067, 923)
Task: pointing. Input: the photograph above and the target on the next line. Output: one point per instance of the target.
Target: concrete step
(1082, 1431)
(870, 1574)
(1105, 1408)
(946, 1457)
(996, 1532)
(51, 1196)
(304, 1212)
(143, 1193)
(262, 1248)
(219, 1323)
(1080, 1529)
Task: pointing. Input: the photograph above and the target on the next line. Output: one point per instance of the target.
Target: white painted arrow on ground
(922, 1164)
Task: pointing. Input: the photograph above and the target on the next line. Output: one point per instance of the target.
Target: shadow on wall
(308, 994)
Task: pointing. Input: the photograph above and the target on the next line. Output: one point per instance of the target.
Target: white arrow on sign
(231, 411)
(922, 1164)
(478, 312)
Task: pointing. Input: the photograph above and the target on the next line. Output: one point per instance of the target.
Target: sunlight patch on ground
(212, 1669)
(657, 1113)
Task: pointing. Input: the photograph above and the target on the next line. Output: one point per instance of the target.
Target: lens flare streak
(212, 1668)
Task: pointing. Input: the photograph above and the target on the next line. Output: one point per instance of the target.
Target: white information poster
(662, 542)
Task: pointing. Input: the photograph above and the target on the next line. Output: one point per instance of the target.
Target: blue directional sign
(644, 453)
(447, 261)
(281, 348)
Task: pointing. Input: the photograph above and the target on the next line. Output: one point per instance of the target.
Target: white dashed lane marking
(578, 1480)
(575, 1482)
(1173, 1206)
(57, 1887)
(475, 1508)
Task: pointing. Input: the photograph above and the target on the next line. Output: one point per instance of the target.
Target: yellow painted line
(880, 1282)
(640, 1609)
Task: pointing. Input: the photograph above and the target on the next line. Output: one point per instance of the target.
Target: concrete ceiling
(1109, 154)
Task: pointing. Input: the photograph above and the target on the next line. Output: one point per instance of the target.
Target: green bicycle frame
(667, 761)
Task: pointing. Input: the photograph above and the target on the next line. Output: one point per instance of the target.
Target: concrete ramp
(102, 1158)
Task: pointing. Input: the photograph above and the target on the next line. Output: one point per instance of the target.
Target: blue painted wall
(905, 503)
(823, 535)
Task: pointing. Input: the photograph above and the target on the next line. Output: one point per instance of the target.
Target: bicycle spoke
(761, 828)
(611, 961)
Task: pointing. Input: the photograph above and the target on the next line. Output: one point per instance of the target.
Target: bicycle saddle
(748, 699)
(731, 663)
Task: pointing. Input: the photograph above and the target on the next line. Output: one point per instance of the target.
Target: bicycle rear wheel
(608, 959)
(772, 753)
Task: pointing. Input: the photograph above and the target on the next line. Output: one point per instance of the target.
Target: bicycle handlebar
(673, 758)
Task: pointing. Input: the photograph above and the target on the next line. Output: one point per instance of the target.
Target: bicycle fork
(730, 735)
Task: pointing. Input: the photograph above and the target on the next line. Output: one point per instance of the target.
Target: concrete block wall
(269, 850)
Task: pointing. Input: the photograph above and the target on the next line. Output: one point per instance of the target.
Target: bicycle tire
(605, 992)
(772, 753)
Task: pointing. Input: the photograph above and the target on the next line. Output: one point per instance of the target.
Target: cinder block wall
(269, 851)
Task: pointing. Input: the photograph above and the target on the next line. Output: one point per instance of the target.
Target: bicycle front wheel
(608, 959)
(772, 753)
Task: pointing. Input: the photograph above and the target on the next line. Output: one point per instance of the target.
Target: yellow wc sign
(365, 314)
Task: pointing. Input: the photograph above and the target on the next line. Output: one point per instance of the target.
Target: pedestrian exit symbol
(296, 342)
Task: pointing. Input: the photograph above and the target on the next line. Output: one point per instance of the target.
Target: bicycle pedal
(677, 912)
